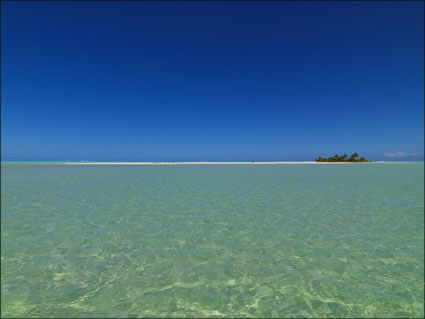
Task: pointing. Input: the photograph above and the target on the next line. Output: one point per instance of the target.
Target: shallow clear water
(222, 241)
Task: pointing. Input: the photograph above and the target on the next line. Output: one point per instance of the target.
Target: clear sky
(220, 81)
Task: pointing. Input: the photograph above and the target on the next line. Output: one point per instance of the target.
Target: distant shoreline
(211, 163)
(202, 163)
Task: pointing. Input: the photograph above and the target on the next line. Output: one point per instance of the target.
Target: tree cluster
(342, 158)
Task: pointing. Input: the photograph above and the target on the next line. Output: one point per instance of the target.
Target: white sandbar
(204, 163)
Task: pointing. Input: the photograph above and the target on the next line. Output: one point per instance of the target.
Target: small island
(343, 158)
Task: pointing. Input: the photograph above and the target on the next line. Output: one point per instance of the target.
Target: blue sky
(211, 80)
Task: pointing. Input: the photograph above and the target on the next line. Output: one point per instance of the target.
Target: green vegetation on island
(343, 158)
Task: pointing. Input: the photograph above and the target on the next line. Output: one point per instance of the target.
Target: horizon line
(194, 162)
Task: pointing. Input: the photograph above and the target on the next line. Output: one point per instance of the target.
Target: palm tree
(353, 157)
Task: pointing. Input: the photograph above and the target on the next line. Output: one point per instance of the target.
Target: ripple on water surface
(219, 241)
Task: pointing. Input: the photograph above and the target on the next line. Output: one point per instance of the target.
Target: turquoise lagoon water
(212, 241)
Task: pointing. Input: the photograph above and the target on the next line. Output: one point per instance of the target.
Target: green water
(212, 241)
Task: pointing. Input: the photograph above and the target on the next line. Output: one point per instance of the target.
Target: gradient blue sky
(211, 80)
